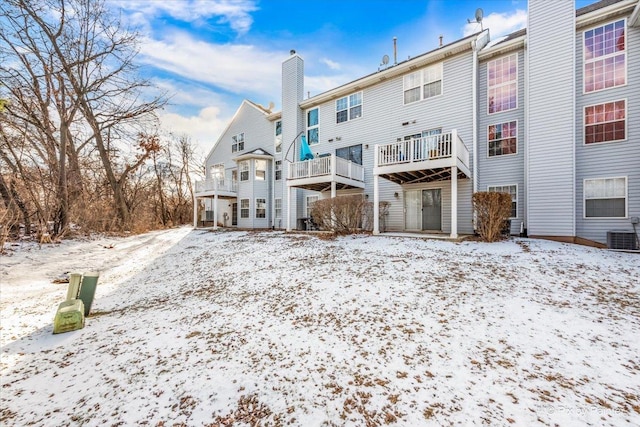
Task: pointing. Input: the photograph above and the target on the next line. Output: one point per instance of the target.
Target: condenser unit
(623, 240)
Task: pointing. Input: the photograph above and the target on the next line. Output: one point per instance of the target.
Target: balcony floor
(422, 175)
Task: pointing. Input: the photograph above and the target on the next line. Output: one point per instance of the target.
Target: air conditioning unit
(622, 239)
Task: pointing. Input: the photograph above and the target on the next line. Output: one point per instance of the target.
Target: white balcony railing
(326, 166)
(432, 147)
(222, 185)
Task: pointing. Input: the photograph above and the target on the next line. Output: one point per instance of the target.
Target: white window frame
(489, 140)
(260, 165)
(278, 170)
(351, 102)
(278, 136)
(502, 84)
(308, 202)
(278, 208)
(626, 198)
(316, 126)
(422, 78)
(261, 201)
(246, 209)
(584, 122)
(219, 168)
(243, 170)
(237, 142)
(501, 189)
(604, 57)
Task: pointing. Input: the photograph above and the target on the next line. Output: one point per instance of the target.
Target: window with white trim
(502, 139)
(237, 142)
(502, 84)
(605, 62)
(309, 201)
(217, 171)
(423, 84)
(278, 170)
(261, 169)
(244, 208)
(313, 136)
(511, 190)
(349, 107)
(605, 197)
(261, 208)
(605, 122)
(243, 166)
(278, 137)
(278, 208)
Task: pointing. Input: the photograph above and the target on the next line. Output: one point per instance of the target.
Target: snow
(193, 327)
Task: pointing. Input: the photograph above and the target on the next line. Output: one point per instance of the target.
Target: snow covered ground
(191, 327)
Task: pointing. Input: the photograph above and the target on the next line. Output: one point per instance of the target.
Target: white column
(288, 208)
(195, 212)
(454, 202)
(215, 202)
(333, 189)
(376, 204)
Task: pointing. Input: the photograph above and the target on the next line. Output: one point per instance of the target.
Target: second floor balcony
(222, 186)
(425, 159)
(318, 174)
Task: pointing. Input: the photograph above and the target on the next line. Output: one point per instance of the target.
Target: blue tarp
(305, 150)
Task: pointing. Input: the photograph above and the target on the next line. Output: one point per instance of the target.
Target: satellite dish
(385, 60)
(479, 15)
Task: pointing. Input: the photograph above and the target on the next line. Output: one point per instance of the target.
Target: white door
(413, 210)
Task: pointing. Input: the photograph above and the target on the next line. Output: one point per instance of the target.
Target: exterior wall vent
(621, 239)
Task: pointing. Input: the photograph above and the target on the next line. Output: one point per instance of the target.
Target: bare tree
(71, 82)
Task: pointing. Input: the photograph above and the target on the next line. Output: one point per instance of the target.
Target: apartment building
(548, 114)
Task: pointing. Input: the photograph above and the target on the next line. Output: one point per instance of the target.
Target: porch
(214, 189)
(428, 159)
(224, 188)
(325, 173)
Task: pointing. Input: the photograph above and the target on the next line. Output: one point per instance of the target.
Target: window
(509, 189)
(423, 84)
(217, 171)
(244, 208)
(244, 170)
(605, 198)
(261, 208)
(312, 126)
(605, 57)
(278, 206)
(237, 142)
(353, 153)
(278, 138)
(503, 139)
(261, 169)
(605, 122)
(278, 170)
(310, 200)
(349, 107)
(502, 81)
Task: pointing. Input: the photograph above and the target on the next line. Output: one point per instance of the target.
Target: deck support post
(376, 204)
(454, 202)
(288, 208)
(195, 212)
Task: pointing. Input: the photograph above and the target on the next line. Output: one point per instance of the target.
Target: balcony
(224, 188)
(321, 173)
(422, 159)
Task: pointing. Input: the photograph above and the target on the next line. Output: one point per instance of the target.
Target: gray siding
(550, 118)
(506, 169)
(614, 159)
(383, 115)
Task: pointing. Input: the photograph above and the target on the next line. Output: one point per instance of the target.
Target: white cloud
(241, 69)
(331, 64)
(235, 13)
(500, 24)
(204, 129)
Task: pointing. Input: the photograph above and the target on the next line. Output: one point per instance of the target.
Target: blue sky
(212, 54)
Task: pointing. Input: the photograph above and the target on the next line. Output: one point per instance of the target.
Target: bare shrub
(493, 211)
(343, 215)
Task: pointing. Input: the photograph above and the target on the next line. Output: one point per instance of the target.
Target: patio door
(412, 210)
(432, 209)
(234, 214)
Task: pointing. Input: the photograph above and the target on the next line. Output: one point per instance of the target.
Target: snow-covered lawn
(237, 328)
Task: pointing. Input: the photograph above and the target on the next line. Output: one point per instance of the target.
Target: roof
(595, 6)
(258, 153)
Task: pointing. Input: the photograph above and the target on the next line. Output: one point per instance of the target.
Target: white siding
(609, 159)
(551, 132)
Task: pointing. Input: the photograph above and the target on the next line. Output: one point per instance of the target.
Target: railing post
(333, 167)
(454, 145)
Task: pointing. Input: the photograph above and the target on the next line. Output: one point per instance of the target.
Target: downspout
(525, 220)
(474, 109)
